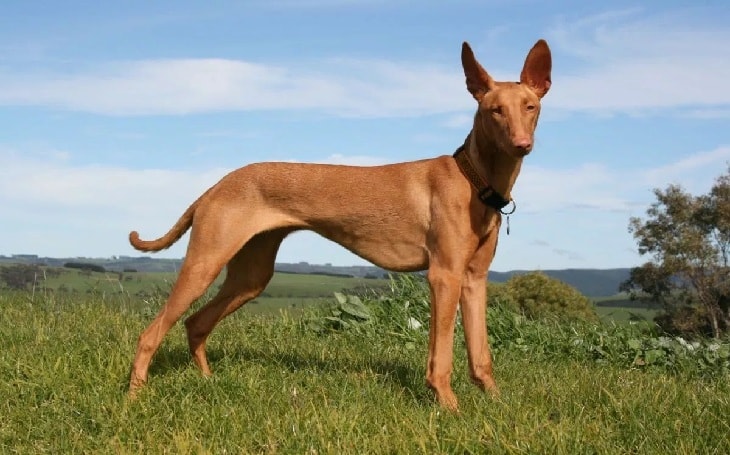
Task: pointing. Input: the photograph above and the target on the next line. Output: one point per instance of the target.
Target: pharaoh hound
(441, 214)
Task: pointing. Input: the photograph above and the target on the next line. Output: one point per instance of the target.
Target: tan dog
(440, 214)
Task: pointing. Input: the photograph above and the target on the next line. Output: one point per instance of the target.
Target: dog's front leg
(445, 288)
(473, 303)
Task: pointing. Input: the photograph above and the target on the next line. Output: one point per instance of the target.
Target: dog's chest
(489, 223)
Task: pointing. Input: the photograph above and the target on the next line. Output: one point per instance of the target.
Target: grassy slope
(622, 314)
(285, 291)
(281, 285)
(278, 389)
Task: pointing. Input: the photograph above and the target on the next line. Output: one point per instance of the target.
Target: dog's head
(508, 111)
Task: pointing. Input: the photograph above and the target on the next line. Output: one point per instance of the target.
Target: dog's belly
(385, 251)
(397, 258)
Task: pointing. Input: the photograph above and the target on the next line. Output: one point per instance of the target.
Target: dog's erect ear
(478, 82)
(538, 65)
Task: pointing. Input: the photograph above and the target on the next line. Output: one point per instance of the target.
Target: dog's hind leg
(248, 273)
(207, 253)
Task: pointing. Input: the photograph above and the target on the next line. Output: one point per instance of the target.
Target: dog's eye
(530, 107)
(497, 110)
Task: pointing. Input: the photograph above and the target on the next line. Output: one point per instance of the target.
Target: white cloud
(589, 186)
(341, 86)
(620, 61)
(357, 160)
(317, 4)
(56, 183)
(709, 163)
(159, 196)
(52, 206)
(708, 113)
(56, 207)
(598, 187)
(459, 121)
(347, 160)
(628, 63)
(571, 255)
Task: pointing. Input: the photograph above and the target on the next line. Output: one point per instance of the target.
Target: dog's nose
(522, 143)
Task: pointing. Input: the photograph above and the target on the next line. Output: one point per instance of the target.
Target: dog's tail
(172, 236)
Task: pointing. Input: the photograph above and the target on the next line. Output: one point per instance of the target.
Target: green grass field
(623, 314)
(281, 388)
(620, 309)
(285, 291)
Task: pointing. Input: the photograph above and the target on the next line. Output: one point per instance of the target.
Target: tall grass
(284, 385)
(404, 311)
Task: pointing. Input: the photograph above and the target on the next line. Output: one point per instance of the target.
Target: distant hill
(590, 282)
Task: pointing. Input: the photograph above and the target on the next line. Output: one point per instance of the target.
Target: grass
(285, 291)
(280, 388)
(621, 309)
(623, 314)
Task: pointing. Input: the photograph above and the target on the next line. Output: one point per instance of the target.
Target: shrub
(538, 296)
(402, 311)
(85, 266)
(688, 320)
(19, 276)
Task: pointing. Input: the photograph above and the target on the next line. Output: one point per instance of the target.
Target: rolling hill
(590, 282)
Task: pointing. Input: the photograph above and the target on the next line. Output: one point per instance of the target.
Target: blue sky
(116, 115)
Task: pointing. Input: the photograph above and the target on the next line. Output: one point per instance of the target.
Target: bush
(19, 276)
(402, 311)
(405, 305)
(538, 296)
(85, 266)
(689, 320)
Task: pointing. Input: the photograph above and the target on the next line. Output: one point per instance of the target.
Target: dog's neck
(496, 166)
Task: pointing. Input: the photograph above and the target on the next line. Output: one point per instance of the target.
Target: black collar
(488, 195)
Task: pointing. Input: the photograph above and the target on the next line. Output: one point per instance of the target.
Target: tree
(688, 241)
